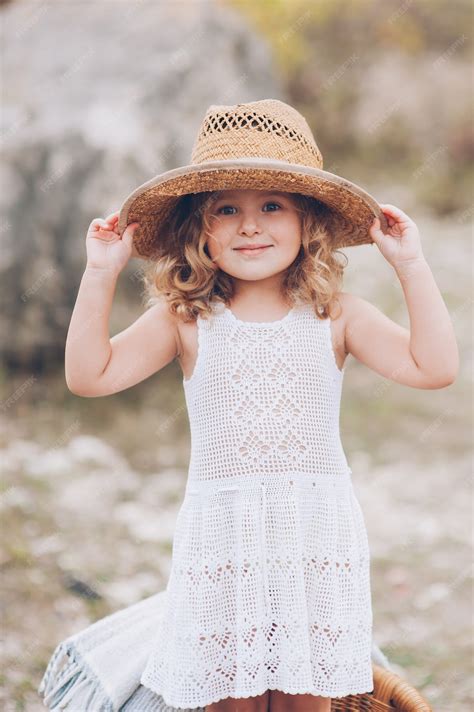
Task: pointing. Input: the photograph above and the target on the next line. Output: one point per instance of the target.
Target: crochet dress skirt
(98, 669)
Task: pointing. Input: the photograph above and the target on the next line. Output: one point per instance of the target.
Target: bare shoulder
(159, 326)
(347, 302)
(349, 307)
(360, 322)
(162, 310)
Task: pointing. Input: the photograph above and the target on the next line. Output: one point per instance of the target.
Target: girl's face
(242, 219)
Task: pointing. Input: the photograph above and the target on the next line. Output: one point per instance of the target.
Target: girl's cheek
(214, 246)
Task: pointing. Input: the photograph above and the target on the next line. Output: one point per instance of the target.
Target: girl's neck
(266, 306)
(265, 295)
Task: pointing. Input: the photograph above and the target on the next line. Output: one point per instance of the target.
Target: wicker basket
(390, 692)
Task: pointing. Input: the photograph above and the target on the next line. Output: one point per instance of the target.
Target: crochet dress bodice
(269, 585)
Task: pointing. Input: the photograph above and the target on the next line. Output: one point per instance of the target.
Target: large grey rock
(98, 98)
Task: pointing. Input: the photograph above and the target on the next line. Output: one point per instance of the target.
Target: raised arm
(95, 364)
(426, 355)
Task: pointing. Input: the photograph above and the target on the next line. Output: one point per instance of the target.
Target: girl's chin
(253, 272)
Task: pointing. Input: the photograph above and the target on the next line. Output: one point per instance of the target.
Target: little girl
(268, 604)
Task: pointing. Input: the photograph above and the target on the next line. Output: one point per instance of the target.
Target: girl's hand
(401, 244)
(105, 248)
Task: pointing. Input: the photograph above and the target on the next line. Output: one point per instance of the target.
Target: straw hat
(264, 145)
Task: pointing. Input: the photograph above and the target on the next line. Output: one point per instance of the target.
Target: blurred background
(97, 99)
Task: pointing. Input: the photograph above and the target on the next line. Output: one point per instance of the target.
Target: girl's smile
(254, 250)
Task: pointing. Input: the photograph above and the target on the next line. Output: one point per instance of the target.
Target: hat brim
(353, 209)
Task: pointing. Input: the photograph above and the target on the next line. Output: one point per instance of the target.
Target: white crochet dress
(270, 580)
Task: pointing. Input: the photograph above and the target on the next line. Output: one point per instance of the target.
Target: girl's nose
(248, 226)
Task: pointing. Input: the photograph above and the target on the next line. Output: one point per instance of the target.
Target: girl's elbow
(77, 388)
(70, 384)
(445, 380)
(451, 373)
(452, 377)
(446, 375)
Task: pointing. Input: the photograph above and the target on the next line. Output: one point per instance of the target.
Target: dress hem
(237, 695)
(70, 683)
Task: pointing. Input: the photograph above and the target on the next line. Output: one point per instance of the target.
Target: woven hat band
(246, 133)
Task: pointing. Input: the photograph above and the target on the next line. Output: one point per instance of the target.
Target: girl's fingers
(98, 227)
(102, 224)
(106, 225)
(97, 224)
(394, 212)
(387, 207)
(112, 217)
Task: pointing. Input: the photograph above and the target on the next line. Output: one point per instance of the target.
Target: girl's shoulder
(350, 307)
(345, 308)
(340, 309)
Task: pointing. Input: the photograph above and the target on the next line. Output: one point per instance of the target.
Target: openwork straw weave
(390, 692)
(262, 145)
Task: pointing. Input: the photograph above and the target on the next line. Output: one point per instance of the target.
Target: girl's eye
(231, 206)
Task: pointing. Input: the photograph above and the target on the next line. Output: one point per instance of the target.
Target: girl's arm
(96, 365)
(427, 355)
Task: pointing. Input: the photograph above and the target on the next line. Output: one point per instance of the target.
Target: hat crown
(268, 128)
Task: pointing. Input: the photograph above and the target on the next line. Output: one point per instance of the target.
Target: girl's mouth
(252, 250)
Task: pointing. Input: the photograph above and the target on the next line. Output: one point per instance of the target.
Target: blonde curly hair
(191, 281)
